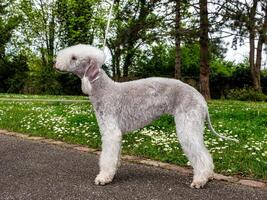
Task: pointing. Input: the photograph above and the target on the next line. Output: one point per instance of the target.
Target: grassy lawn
(76, 123)
(22, 96)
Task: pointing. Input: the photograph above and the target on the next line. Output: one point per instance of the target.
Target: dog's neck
(99, 85)
(103, 80)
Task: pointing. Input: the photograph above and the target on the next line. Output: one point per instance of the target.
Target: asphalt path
(35, 170)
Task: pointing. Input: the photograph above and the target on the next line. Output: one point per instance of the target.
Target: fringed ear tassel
(86, 86)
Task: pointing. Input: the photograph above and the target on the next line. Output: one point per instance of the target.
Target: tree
(160, 61)
(7, 25)
(40, 33)
(204, 50)
(247, 20)
(177, 74)
(76, 20)
(156, 62)
(39, 28)
(262, 39)
(132, 27)
(252, 34)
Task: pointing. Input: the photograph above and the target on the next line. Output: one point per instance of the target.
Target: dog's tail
(215, 133)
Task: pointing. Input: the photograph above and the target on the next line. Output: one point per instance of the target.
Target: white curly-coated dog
(124, 107)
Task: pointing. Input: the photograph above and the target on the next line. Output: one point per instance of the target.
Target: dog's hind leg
(190, 127)
(109, 158)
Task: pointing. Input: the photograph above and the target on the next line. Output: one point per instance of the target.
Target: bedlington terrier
(124, 107)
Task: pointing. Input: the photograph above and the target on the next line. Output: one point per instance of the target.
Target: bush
(221, 72)
(246, 94)
(13, 73)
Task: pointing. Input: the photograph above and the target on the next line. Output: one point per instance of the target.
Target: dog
(124, 107)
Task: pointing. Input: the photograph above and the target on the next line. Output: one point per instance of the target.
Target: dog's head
(80, 60)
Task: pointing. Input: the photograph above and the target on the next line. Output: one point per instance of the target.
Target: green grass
(76, 123)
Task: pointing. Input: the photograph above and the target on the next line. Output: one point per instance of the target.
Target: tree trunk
(117, 55)
(252, 59)
(2, 51)
(128, 58)
(262, 39)
(128, 61)
(177, 73)
(257, 66)
(43, 56)
(113, 69)
(204, 50)
(251, 27)
(51, 40)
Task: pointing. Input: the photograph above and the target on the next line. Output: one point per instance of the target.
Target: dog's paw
(198, 183)
(103, 179)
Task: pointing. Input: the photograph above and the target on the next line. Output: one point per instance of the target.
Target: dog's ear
(79, 72)
(93, 70)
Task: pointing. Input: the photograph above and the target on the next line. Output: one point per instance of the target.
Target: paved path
(34, 170)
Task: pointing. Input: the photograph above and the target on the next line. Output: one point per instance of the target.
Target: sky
(237, 55)
(241, 53)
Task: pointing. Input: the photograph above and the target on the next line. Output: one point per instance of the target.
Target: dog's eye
(73, 58)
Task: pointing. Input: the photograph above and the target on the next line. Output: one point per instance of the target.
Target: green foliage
(225, 75)
(40, 79)
(7, 25)
(48, 84)
(71, 84)
(221, 73)
(140, 42)
(246, 94)
(158, 62)
(12, 68)
(241, 75)
(76, 19)
(20, 70)
(190, 59)
(222, 68)
(134, 26)
(13, 74)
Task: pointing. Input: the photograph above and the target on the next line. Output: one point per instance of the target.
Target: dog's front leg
(109, 158)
